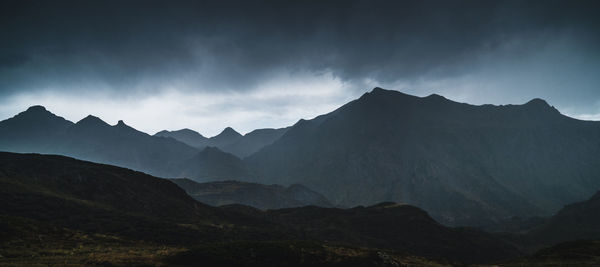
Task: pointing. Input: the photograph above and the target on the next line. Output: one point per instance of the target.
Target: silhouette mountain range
(228, 140)
(465, 164)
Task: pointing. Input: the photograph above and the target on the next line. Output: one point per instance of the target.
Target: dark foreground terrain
(57, 210)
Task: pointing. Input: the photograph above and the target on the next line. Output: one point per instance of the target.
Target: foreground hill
(255, 195)
(577, 221)
(61, 210)
(465, 164)
(573, 253)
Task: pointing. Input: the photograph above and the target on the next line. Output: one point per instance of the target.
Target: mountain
(95, 140)
(255, 195)
(228, 140)
(227, 136)
(253, 141)
(38, 130)
(32, 130)
(573, 222)
(59, 210)
(212, 164)
(187, 136)
(465, 164)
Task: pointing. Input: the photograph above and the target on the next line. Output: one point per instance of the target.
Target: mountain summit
(31, 130)
(465, 164)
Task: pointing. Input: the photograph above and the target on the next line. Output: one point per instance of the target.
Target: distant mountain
(227, 136)
(95, 140)
(253, 141)
(187, 136)
(251, 194)
(465, 164)
(228, 140)
(53, 204)
(212, 164)
(32, 130)
(38, 130)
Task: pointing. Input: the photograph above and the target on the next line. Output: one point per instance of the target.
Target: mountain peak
(229, 132)
(36, 111)
(92, 120)
(380, 94)
(378, 90)
(537, 102)
(121, 123)
(435, 96)
(36, 108)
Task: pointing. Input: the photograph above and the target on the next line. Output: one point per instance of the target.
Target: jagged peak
(229, 131)
(121, 123)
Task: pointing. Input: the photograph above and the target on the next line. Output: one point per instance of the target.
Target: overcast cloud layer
(253, 64)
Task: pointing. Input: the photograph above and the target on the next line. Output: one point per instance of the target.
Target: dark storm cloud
(234, 45)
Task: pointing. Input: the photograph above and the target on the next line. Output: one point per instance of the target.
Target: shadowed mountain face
(42, 193)
(253, 141)
(255, 195)
(575, 221)
(229, 140)
(187, 136)
(464, 164)
(38, 130)
(32, 130)
(212, 164)
(93, 139)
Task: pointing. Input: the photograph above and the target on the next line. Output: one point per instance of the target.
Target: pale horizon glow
(273, 105)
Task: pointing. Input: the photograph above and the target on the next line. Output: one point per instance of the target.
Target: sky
(206, 65)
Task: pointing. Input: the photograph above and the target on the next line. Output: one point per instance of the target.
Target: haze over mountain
(38, 130)
(464, 164)
(187, 136)
(228, 140)
(257, 133)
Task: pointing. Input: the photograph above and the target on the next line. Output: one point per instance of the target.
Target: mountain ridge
(387, 145)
